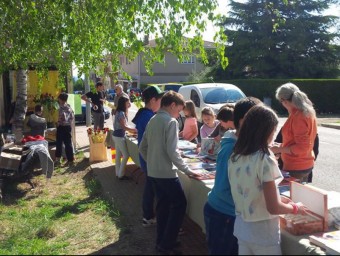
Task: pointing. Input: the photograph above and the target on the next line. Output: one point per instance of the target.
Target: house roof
(207, 44)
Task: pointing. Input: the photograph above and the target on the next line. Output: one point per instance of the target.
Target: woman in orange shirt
(298, 132)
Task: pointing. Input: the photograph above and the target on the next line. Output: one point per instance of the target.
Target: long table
(196, 192)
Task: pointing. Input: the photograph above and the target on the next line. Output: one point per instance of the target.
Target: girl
(190, 130)
(120, 127)
(209, 122)
(254, 176)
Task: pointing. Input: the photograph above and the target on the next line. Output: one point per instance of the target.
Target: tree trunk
(20, 105)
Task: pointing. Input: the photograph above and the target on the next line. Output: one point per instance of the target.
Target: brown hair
(172, 97)
(259, 123)
(225, 114)
(190, 106)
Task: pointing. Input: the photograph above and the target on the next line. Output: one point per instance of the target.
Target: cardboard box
(98, 151)
(51, 134)
(317, 218)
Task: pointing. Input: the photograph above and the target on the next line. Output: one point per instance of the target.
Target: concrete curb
(332, 125)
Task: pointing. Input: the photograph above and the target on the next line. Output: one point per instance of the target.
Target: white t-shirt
(247, 175)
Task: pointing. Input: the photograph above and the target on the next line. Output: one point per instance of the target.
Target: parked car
(110, 94)
(168, 86)
(212, 95)
(81, 118)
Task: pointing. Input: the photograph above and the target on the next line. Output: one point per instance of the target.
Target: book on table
(330, 241)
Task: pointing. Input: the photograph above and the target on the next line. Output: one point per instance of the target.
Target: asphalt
(127, 197)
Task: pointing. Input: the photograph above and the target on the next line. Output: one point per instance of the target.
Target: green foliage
(92, 33)
(79, 85)
(281, 39)
(324, 93)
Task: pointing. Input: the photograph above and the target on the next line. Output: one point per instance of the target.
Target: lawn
(64, 215)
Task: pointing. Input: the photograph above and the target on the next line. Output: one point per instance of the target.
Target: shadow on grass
(15, 187)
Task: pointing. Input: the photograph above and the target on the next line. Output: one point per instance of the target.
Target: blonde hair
(190, 106)
(299, 99)
(208, 112)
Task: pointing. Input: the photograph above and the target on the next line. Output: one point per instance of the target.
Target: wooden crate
(317, 218)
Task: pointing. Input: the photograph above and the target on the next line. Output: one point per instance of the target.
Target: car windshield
(220, 95)
(174, 87)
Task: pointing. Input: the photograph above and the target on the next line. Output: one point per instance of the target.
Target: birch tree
(87, 33)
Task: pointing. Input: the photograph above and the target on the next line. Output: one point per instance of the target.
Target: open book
(330, 241)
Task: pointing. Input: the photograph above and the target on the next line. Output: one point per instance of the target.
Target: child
(120, 126)
(226, 119)
(190, 130)
(36, 122)
(159, 149)
(254, 176)
(152, 97)
(209, 122)
(64, 135)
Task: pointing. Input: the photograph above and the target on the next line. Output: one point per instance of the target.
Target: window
(127, 61)
(188, 59)
(195, 98)
(121, 60)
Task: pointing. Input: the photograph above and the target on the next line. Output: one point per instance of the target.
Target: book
(209, 148)
(184, 144)
(330, 241)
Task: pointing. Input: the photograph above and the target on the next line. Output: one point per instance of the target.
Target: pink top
(190, 127)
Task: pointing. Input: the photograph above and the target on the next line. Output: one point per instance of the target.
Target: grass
(65, 215)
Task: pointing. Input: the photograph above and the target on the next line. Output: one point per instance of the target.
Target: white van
(212, 95)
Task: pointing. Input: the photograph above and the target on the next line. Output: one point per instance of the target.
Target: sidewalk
(127, 197)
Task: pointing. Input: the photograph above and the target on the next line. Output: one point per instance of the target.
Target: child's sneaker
(149, 223)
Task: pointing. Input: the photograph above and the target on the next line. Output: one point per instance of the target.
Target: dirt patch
(135, 239)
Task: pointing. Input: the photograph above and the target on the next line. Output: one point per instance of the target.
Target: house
(170, 71)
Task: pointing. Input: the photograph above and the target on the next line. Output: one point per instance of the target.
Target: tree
(78, 85)
(87, 33)
(273, 39)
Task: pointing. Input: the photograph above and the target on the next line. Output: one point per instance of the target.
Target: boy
(36, 122)
(64, 135)
(159, 149)
(152, 97)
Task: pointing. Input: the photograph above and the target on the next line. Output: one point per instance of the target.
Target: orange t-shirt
(299, 133)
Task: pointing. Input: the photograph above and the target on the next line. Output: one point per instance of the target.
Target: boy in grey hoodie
(159, 149)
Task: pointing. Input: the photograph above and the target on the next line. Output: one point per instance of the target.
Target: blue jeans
(219, 232)
(170, 210)
(148, 198)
